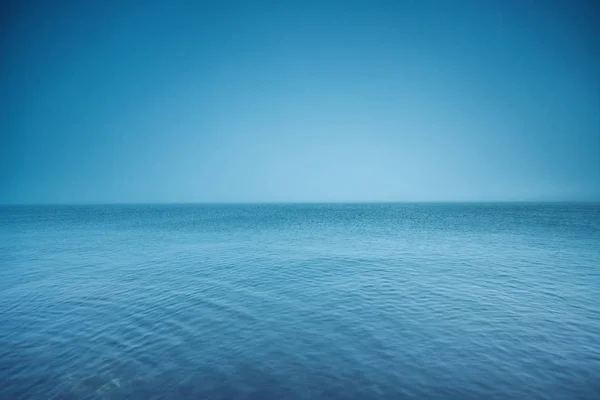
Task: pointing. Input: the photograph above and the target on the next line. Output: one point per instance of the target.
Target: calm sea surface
(431, 301)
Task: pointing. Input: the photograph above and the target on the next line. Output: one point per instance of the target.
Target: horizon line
(215, 203)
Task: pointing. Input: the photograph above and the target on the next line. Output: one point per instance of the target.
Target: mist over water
(321, 301)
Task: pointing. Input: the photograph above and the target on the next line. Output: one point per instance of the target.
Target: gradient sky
(251, 101)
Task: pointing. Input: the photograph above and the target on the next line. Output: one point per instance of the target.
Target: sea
(300, 301)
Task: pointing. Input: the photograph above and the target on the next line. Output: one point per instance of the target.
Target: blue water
(436, 301)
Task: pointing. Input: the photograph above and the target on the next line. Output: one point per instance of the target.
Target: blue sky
(252, 101)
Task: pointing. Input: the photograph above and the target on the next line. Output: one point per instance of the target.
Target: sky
(294, 101)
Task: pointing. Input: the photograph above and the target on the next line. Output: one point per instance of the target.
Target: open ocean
(312, 301)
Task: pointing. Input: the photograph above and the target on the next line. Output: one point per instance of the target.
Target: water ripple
(370, 301)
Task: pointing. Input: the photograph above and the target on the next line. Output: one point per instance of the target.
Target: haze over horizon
(299, 101)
